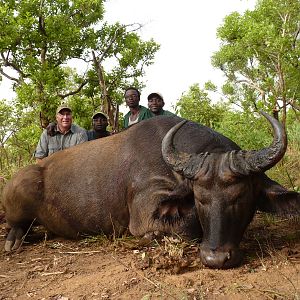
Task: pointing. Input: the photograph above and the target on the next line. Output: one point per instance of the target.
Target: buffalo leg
(14, 239)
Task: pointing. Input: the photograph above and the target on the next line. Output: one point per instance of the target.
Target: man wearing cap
(136, 112)
(156, 104)
(60, 136)
(100, 124)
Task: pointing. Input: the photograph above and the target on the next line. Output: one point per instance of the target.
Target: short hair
(132, 88)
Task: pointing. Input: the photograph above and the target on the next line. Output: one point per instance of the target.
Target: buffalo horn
(264, 159)
(180, 162)
(242, 162)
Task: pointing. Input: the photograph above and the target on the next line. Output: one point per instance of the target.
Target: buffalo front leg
(141, 222)
(165, 211)
(14, 239)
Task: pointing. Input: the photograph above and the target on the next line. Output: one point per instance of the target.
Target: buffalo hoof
(14, 239)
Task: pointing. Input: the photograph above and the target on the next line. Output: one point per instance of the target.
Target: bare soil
(100, 268)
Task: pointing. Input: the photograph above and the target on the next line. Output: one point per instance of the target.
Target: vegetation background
(259, 55)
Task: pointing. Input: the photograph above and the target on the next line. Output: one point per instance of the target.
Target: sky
(186, 31)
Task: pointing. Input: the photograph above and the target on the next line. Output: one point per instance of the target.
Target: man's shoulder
(142, 109)
(145, 113)
(168, 113)
(77, 129)
(44, 135)
(79, 132)
(90, 134)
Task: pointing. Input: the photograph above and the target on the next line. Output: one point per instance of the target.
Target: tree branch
(73, 92)
(9, 77)
(262, 92)
(139, 26)
(293, 104)
(7, 63)
(115, 35)
(108, 46)
(296, 36)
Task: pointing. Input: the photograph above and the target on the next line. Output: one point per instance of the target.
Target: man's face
(132, 98)
(64, 119)
(155, 104)
(100, 124)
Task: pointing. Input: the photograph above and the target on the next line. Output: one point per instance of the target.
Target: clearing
(101, 268)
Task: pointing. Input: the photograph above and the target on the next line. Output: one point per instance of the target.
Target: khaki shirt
(50, 144)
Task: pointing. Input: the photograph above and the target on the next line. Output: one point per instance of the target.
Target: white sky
(186, 31)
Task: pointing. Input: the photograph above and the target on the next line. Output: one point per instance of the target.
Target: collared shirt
(144, 114)
(50, 144)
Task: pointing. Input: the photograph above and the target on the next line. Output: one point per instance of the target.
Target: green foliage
(260, 54)
(6, 121)
(250, 131)
(287, 171)
(210, 86)
(19, 135)
(196, 105)
(36, 45)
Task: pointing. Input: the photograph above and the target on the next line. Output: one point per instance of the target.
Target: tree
(128, 55)
(40, 37)
(18, 136)
(260, 54)
(197, 106)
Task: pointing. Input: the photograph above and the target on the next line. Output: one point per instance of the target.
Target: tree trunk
(106, 104)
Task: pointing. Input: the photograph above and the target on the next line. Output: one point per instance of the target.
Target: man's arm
(83, 137)
(42, 149)
(145, 114)
(168, 113)
(51, 129)
(126, 120)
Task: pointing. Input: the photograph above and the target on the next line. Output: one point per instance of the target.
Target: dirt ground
(100, 268)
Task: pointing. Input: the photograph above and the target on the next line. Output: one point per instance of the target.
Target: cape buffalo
(163, 175)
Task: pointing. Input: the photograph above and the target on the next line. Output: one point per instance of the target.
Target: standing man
(136, 112)
(100, 124)
(156, 104)
(61, 136)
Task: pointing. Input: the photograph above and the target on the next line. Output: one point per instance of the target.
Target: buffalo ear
(275, 199)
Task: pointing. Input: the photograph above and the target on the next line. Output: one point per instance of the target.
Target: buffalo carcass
(162, 175)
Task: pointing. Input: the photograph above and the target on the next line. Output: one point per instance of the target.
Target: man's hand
(51, 129)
